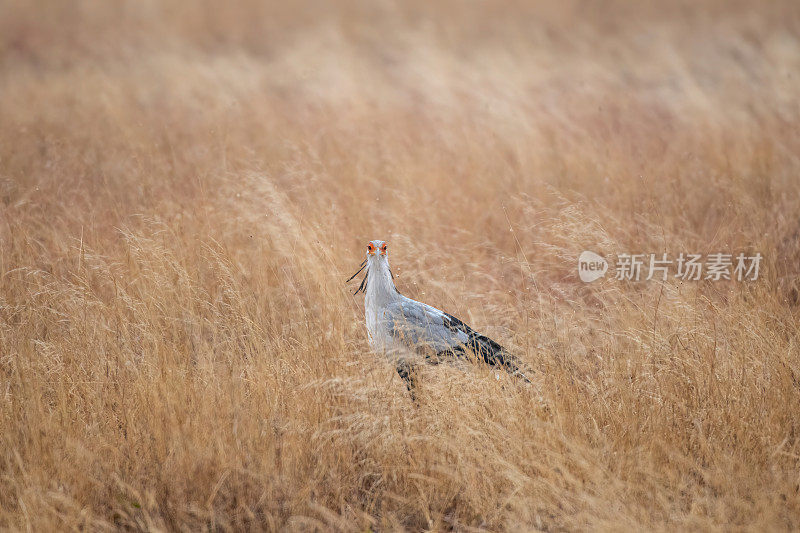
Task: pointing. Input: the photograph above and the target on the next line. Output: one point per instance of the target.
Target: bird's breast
(378, 330)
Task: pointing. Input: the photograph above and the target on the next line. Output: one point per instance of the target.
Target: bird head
(376, 249)
(377, 261)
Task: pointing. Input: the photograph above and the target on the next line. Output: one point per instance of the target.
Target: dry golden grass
(184, 186)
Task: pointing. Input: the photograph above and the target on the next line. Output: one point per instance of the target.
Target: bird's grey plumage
(405, 330)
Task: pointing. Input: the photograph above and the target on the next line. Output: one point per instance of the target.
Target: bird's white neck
(380, 286)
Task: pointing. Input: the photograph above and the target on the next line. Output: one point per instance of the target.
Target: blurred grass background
(185, 186)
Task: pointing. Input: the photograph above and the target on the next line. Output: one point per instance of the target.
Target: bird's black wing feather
(489, 351)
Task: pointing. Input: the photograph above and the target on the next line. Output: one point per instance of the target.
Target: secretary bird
(405, 330)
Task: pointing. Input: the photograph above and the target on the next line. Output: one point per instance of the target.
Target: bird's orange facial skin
(371, 249)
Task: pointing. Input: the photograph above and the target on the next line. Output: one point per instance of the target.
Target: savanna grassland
(185, 186)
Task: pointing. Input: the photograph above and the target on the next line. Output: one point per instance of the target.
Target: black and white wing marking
(421, 327)
(489, 351)
(440, 335)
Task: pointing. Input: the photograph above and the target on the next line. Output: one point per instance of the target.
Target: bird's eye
(383, 247)
(369, 247)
